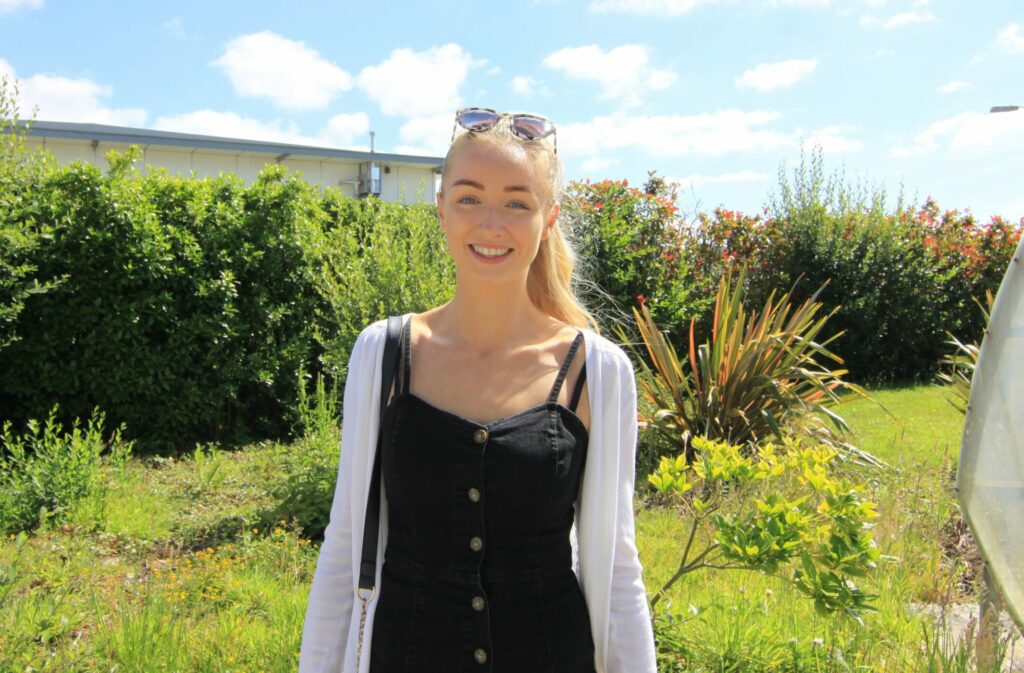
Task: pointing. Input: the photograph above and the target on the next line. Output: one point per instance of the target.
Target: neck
(492, 319)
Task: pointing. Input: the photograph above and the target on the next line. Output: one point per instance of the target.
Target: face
(494, 211)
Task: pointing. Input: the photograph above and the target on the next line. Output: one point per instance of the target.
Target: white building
(392, 177)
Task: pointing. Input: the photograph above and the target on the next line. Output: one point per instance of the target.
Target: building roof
(102, 133)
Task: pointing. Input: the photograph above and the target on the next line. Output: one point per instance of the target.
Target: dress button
(478, 603)
(474, 494)
(476, 544)
(480, 655)
(480, 436)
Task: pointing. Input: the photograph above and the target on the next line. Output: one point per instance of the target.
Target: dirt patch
(960, 555)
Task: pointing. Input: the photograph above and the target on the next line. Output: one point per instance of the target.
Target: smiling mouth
(490, 252)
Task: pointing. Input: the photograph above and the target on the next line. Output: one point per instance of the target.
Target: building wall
(407, 184)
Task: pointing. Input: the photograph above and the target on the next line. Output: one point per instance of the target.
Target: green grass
(745, 621)
(193, 571)
(923, 432)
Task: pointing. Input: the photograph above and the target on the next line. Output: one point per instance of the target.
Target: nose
(491, 218)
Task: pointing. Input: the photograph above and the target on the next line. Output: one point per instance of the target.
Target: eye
(518, 204)
(467, 199)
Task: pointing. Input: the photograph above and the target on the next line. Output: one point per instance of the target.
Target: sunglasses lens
(475, 119)
(530, 127)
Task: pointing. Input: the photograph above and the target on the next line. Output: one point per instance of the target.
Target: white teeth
(491, 252)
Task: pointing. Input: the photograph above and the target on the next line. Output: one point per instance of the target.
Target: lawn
(195, 570)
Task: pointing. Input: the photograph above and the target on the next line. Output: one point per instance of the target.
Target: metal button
(480, 436)
(480, 655)
(478, 603)
(476, 544)
(474, 495)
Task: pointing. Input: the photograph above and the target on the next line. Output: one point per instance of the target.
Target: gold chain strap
(362, 624)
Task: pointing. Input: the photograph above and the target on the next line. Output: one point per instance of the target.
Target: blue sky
(714, 93)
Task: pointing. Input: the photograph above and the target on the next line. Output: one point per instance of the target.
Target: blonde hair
(552, 280)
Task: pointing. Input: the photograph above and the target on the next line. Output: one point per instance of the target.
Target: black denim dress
(477, 572)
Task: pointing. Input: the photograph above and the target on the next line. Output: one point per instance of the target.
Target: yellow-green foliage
(769, 509)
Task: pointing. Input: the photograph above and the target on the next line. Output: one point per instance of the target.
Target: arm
(630, 637)
(331, 597)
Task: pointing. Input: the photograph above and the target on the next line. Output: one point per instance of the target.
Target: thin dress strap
(579, 388)
(406, 354)
(565, 368)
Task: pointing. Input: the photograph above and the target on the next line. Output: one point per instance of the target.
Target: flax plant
(759, 376)
(960, 363)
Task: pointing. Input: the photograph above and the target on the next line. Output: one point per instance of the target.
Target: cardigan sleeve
(630, 636)
(331, 597)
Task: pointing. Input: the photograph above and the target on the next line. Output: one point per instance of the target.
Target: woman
(506, 530)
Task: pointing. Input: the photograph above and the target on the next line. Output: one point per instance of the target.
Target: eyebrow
(474, 183)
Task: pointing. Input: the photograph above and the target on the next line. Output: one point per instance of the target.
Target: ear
(552, 220)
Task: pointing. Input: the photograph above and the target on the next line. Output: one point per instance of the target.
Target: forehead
(485, 163)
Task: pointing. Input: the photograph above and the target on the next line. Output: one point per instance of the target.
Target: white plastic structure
(990, 479)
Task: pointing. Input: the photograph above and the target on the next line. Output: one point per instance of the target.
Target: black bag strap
(371, 527)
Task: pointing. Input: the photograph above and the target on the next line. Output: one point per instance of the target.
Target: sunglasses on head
(525, 126)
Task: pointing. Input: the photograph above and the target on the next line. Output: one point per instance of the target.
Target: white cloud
(968, 132)
(648, 7)
(622, 73)
(710, 134)
(267, 65)
(524, 86)
(833, 140)
(770, 76)
(347, 131)
(907, 19)
(232, 125)
(672, 8)
(953, 86)
(898, 20)
(802, 4)
(72, 100)
(1010, 39)
(343, 130)
(596, 164)
(697, 180)
(673, 135)
(427, 135)
(418, 84)
(7, 6)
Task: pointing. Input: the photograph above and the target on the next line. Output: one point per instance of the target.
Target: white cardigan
(604, 548)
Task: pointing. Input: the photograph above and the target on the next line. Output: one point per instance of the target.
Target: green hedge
(902, 277)
(189, 309)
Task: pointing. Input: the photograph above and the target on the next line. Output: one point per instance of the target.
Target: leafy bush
(629, 243)
(899, 278)
(20, 234)
(185, 307)
(373, 259)
(306, 494)
(974, 258)
(886, 283)
(783, 506)
(46, 473)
